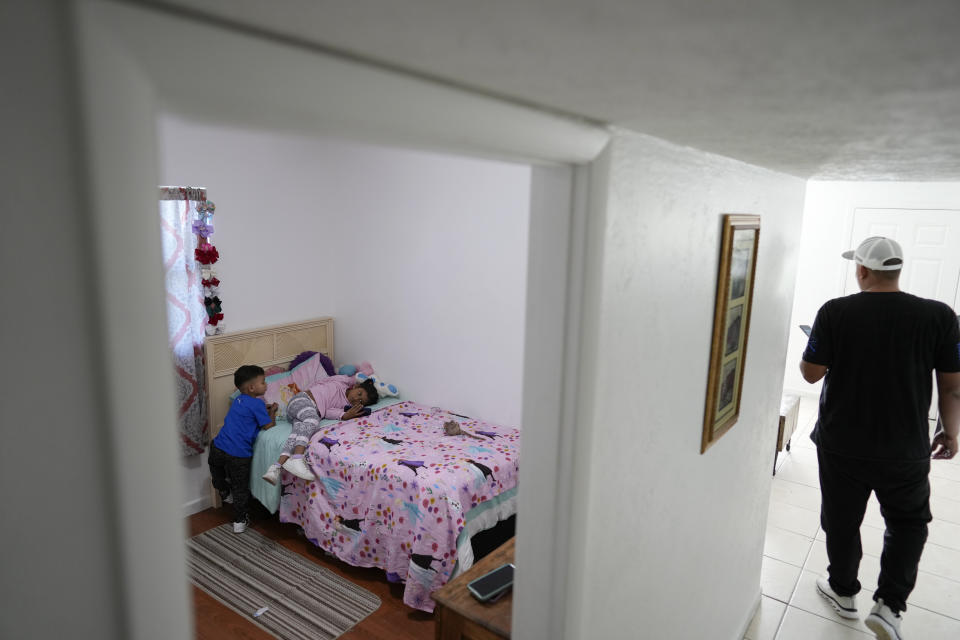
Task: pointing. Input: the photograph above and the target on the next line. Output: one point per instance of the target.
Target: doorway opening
(133, 62)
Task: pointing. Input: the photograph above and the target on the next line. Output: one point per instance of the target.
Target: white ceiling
(832, 89)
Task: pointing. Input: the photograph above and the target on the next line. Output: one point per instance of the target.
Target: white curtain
(186, 314)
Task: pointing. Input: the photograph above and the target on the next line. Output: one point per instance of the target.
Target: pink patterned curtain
(186, 314)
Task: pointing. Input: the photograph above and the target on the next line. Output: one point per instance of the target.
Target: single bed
(392, 490)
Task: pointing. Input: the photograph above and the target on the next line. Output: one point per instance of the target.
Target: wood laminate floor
(392, 621)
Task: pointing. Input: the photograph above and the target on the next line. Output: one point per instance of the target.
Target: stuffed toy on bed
(383, 388)
(353, 369)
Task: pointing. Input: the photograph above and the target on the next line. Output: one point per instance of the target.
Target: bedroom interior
(474, 126)
(416, 255)
(422, 257)
(617, 301)
(494, 507)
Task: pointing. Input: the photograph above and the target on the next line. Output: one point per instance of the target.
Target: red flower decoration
(212, 282)
(206, 254)
(215, 319)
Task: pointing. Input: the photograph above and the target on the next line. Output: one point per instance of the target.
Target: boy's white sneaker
(272, 475)
(299, 468)
(845, 606)
(884, 622)
(240, 527)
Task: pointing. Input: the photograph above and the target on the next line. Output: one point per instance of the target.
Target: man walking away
(875, 351)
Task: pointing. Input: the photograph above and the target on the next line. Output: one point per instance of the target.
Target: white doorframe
(133, 63)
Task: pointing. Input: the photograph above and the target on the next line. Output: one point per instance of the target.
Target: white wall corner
(649, 313)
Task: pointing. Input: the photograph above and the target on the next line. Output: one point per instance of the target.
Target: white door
(931, 245)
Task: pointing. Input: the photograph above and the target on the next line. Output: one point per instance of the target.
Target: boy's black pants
(903, 491)
(231, 474)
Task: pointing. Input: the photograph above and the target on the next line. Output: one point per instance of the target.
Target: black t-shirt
(880, 349)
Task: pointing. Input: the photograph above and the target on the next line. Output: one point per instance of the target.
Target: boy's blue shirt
(244, 419)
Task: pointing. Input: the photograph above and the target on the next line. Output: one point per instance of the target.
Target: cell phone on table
(493, 584)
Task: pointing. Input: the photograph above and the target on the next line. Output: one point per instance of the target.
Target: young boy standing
(232, 450)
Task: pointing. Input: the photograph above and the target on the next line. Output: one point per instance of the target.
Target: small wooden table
(789, 412)
(460, 616)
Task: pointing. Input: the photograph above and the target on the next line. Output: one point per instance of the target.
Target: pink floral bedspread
(393, 491)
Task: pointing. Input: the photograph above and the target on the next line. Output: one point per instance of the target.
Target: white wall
(827, 227)
(421, 258)
(60, 571)
(668, 542)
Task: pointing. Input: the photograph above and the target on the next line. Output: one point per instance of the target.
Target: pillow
(324, 360)
(282, 395)
(307, 373)
(283, 386)
(280, 388)
(383, 388)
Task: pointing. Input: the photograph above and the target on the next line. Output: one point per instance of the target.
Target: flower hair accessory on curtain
(211, 301)
(206, 254)
(211, 286)
(203, 229)
(213, 305)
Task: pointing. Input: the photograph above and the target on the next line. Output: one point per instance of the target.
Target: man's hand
(352, 412)
(944, 447)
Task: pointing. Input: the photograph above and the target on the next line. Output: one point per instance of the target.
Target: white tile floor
(795, 554)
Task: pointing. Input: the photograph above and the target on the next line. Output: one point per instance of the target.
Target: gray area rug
(247, 572)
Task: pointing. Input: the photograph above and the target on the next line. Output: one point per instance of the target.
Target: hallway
(795, 554)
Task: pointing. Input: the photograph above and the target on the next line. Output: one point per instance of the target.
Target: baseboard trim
(196, 506)
(753, 611)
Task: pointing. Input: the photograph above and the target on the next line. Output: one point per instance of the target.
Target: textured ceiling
(848, 89)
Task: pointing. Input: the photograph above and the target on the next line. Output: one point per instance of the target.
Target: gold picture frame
(731, 325)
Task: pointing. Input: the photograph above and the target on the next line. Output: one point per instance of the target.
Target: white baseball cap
(877, 253)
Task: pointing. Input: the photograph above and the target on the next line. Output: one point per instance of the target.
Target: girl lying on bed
(334, 398)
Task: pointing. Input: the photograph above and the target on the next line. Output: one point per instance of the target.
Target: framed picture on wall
(731, 325)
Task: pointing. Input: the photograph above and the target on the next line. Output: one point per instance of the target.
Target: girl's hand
(352, 412)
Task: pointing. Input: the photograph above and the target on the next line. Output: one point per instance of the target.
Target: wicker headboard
(276, 345)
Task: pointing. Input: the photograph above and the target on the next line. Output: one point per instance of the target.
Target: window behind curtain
(186, 313)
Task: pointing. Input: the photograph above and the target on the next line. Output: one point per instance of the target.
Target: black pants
(903, 491)
(231, 474)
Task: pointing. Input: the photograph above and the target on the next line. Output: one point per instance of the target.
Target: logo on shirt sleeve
(812, 345)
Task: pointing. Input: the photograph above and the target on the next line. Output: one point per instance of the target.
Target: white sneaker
(240, 527)
(272, 475)
(884, 622)
(846, 606)
(299, 468)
